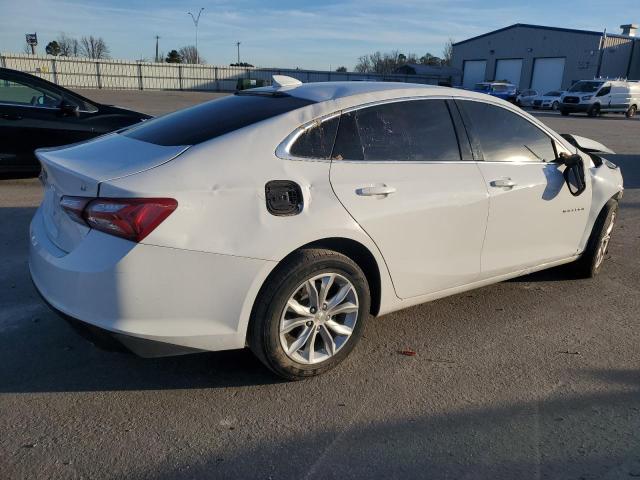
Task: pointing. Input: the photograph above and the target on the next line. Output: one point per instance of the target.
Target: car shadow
(557, 435)
(43, 354)
(561, 273)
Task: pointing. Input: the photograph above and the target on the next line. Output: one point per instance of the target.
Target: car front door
(604, 97)
(533, 218)
(31, 117)
(400, 172)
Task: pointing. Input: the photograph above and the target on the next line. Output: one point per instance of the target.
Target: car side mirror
(573, 173)
(69, 110)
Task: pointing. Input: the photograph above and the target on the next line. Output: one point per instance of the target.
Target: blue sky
(305, 34)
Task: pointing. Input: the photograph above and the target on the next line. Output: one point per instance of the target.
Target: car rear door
(533, 218)
(399, 170)
(31, 117)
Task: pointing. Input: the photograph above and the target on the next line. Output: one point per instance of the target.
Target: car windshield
(586, 87)
(552, 94)
(482, 87)
(500, 88)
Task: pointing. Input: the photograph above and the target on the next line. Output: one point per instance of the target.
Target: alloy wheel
(319, 318)
(604, 242)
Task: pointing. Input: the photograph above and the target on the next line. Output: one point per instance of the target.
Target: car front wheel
(594, 111)
(591, 261)
(310, 313)
(555, 106)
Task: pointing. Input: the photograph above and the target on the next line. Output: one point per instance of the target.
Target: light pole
(195, 22)
(157, 38)
(238, 45)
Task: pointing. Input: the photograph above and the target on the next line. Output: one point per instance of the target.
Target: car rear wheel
(310, 313)
(591, 261)
(631, 112)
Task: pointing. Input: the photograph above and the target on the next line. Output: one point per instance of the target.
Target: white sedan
(281, 217)
(549, 101)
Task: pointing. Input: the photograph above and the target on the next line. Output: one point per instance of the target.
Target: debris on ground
(408, 352)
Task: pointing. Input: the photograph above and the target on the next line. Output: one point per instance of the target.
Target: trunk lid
(78, 170)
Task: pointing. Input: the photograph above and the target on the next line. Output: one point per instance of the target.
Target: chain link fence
(127, 75)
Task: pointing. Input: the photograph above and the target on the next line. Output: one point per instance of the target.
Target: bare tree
(93, 47)
(189, 54)
(27, 48)
(69, 47)
(447, 53)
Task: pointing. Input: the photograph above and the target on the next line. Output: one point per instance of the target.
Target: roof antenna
(279, 81)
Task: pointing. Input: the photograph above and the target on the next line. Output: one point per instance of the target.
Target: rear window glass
(316, 141)
(208, 120)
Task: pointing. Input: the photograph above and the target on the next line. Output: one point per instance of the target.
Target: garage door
(509, 70)
(473, 72)
(547, 74)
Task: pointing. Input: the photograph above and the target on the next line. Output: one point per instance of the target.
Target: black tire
(555, 105)
(594, 111)
(264, 326)
(631, 112)
(564, 113)
(589, 265)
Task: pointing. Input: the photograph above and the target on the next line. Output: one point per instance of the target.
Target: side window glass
(604, 91)
(317, 140)
(507, 137)
(23, 94)
(416, 130)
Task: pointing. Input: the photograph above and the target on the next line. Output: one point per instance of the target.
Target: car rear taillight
(130, 218)
(74, 206)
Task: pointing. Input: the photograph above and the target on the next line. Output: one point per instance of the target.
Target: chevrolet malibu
(280, 218)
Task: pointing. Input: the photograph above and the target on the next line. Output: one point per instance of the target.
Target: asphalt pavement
(538, 377)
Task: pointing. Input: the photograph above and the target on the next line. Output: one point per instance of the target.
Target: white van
(600, 96)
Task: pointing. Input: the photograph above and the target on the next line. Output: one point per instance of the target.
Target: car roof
(324, 91)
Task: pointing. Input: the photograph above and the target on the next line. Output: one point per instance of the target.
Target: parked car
(526, 98)
(595, 97)
(548, 101)
(36, 113)
(303, 209)
(503, 90)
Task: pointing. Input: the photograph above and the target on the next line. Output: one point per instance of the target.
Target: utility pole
(195, 22)
(238, 45)
(603, 43)
(157, 38)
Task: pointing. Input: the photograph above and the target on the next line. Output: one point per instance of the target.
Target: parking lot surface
(538, 377)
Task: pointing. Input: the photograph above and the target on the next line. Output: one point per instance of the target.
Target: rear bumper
(118, 342)
(140, 293)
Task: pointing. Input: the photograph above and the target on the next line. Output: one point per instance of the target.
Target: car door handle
(11, 116)
(379, 190)
(503, 183)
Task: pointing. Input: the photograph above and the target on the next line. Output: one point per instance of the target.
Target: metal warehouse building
(547, 58)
